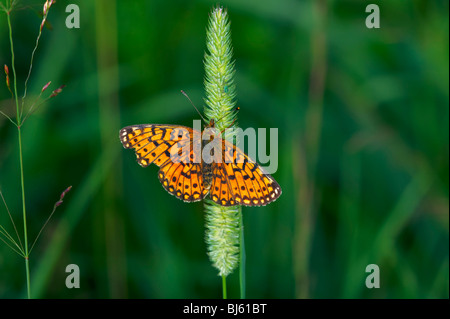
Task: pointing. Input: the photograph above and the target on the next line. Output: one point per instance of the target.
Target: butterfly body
(207, 171)
(230, 178)
(207, 168)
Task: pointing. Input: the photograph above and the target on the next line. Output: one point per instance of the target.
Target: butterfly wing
(248, 184)
(220, 192)
(184, 181)
(170, 148)
(152, 142)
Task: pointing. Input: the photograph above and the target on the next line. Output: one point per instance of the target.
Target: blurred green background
(363, 148)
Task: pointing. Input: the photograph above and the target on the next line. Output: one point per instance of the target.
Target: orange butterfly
(233, 180)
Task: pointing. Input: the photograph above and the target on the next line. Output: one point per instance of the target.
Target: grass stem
(241, 255)
(22, 179)
(224, 286)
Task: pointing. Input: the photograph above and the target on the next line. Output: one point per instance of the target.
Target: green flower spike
(223, 224)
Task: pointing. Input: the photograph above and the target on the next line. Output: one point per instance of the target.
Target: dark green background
(363, 148)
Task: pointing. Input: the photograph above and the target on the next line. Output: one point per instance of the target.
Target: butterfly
(229, 180)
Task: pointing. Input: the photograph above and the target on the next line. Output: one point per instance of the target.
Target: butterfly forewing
(152, 143)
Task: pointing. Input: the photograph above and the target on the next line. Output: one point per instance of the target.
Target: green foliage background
(363, 148)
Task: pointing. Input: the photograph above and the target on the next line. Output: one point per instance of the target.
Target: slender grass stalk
(59, 202)
(224, 287)
(24, 213)
(224, 231)
(22, 249)
(45, 11)
(16, 246)
(10, 239)
(22, 179)
(242, 255)
(14, 225)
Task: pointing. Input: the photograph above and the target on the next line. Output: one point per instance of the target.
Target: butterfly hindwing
(249, 184)
(220, 191)
(183, 180)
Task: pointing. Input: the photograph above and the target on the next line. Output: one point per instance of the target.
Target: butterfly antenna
(236, 109)
(184, 93)
(234, 120)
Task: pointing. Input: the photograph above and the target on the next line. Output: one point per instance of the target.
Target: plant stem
(27, 267)
(224, 286)
(241, 255)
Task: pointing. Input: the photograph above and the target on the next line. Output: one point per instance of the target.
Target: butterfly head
(212, 123)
